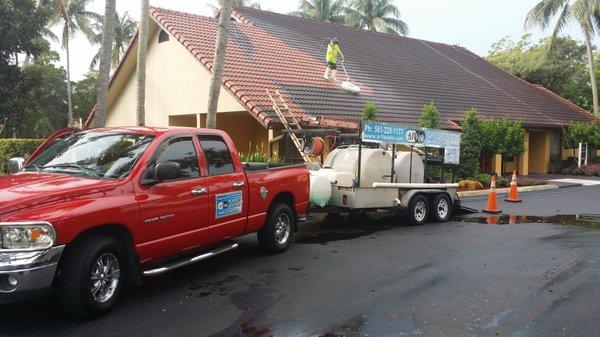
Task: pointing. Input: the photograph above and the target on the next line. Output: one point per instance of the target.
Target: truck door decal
(227, 204)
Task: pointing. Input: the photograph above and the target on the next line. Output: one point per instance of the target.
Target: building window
(163, 36)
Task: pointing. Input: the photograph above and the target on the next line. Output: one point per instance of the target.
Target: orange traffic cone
(492, 202)
(513, 194)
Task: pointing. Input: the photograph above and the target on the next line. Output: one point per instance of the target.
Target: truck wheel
(418, 210)
(90, 278)
(276, 234)
(441, 208)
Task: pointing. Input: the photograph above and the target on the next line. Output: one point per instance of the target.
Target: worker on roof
(333, 52)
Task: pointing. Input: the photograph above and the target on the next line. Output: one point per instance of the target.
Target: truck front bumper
(22, 273)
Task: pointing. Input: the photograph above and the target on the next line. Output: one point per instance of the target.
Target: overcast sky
(474, 24)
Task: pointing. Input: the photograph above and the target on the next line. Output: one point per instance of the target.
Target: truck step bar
(190, 260)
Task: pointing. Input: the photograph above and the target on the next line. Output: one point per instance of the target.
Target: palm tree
(376, 15)
(584, 13)
(125, 28)
(74, 17)
(321, 10)
(106, 48)
(141, 64)
(214, 88)
(241, 3)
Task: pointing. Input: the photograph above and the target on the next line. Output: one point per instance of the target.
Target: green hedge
(11, 147)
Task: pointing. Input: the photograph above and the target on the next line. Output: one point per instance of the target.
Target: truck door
(227, 190)
(174, 213)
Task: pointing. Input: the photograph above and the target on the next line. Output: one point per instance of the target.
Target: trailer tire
(277, 233)
(98, 259)
(418, 210)
(441, 208)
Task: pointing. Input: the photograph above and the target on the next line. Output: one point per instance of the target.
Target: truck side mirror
(15, 164)
(163, 171)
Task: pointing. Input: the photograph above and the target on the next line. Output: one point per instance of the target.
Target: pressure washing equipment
(347, 85)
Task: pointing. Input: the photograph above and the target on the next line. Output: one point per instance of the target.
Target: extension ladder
(288, 120)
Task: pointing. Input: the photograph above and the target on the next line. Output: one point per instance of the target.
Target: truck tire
(90, 276)
(418, 210)
(441, 208)
(276, 234)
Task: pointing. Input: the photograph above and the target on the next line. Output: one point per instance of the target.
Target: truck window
(217, 155)
(181, 150)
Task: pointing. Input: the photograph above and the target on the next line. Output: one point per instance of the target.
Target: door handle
(199, 191)
(239, 184)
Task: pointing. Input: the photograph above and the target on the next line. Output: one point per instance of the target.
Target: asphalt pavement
(380, 278)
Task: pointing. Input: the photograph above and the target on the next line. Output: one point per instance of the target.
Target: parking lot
(380, 278)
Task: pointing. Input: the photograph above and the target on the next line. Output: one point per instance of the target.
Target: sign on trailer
(420, 137)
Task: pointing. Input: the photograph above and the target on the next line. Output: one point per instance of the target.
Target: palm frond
(541, 15)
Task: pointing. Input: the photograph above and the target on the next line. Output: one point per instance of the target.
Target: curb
(481, 193)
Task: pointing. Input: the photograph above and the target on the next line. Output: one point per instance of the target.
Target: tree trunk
(218, 64)
(105, 61)
(141, 64)
(590, 56)
(69, 100)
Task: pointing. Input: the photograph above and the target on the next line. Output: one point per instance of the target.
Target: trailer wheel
(418, 210)
(441, 208)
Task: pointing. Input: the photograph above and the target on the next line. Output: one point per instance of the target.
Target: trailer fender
(409, 194)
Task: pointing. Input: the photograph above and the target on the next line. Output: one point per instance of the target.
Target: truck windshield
(97, 154)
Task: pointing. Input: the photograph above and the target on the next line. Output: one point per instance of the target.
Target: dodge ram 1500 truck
(90, 211)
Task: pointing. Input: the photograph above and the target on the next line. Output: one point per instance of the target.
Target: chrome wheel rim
(442, 208)
(283, 227)
(105, 278)
(420, 211)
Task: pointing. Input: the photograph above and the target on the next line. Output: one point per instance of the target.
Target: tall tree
(219, 64)
(108, 33)
(376, 15)
(241, 3)
(141, 64)
(321, 10)
(18, 38)
(74, 17)
(583, 12)
(562, 70)
(125, 28)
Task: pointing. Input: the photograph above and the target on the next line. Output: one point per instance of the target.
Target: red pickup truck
(89, 211)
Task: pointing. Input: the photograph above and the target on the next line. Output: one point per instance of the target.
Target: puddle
(583, 220)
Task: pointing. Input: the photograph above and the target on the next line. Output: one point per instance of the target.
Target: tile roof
(273, 51)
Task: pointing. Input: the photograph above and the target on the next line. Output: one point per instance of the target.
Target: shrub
(369, 112)
(469, 185)
(259, 157)
(470, 144)
(430, 117)
(10, 147)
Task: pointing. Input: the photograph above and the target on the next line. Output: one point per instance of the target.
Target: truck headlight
(27, 236)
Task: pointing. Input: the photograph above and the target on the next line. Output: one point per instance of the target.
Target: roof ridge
(239, 9)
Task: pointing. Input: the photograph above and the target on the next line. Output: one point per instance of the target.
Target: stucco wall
(539, 152)
(176, 84)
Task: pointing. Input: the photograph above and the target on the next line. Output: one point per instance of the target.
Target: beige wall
(539, 151)
(245, 131)
(176, 84)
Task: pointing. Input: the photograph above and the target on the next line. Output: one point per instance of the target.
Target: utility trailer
(374, 176)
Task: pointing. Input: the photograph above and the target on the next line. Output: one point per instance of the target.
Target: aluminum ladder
(288, 120)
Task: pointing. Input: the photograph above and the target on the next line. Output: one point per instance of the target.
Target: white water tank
(320, 189)
(402, 168)
(375, 164)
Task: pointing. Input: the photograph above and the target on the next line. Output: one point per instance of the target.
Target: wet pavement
(374, 278)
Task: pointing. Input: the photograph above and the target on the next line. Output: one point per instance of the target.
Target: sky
(473, 24)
